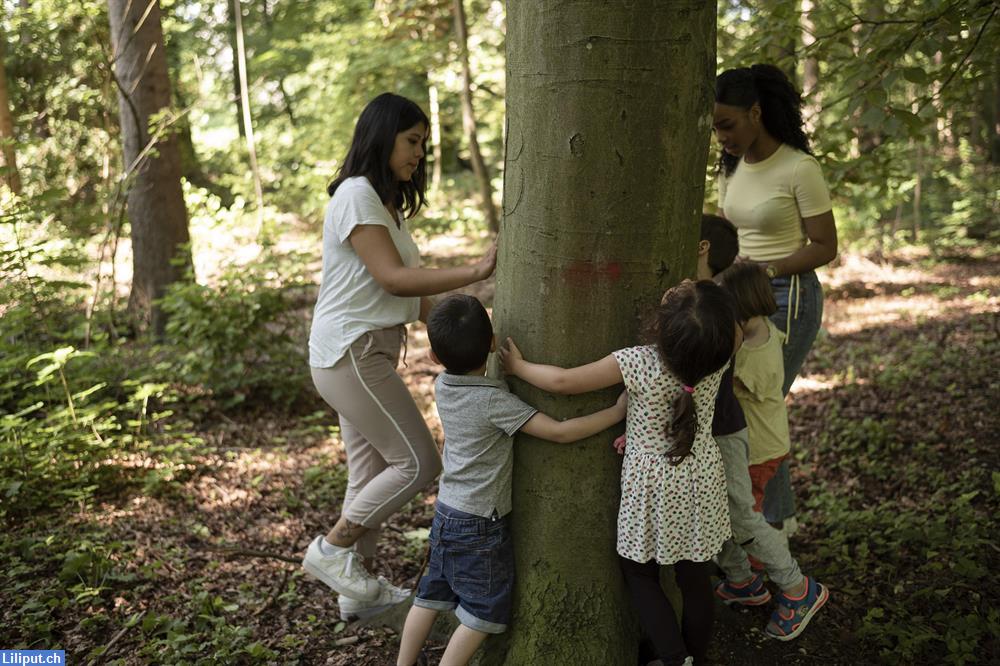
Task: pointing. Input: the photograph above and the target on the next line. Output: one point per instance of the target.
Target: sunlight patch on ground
(853, 315)
(858, 268)
(451, 244)
(813, 384)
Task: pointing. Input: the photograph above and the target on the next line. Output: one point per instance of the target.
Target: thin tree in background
(233, 9)
(469, 119)
(152, 160)
(432, 92)
(8, 167)
(609, 110)
(810, 68)
(241, 60)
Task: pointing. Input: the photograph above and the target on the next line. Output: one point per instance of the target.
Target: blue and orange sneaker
(750, 593)
(792, 615)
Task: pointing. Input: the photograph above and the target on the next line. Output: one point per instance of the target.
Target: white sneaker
(342, 570)
(390, 595)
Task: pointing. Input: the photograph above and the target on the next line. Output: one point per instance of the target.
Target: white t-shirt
(767, 200)
(350, 301)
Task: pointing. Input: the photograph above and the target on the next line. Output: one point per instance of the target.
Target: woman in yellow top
(772, 189)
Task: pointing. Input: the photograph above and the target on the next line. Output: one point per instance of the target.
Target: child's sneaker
(792, 615)
(389, 595)
(750, 593)
(341, 570)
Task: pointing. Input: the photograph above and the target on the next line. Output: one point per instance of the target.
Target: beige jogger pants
(390, 452)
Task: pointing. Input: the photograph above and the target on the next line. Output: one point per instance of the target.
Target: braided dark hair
(780, 105)
(695, 331)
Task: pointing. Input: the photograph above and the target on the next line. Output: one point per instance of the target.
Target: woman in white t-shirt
(372, 286)
(772, 189)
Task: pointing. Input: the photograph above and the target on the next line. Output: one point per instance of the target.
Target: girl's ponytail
(683, 428)
(695, 334)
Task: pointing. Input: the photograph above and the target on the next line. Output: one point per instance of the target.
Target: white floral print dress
(668, 512)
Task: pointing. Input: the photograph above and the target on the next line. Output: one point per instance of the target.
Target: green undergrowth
(905, 488)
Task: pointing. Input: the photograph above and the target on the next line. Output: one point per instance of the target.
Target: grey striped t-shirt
(480, 416)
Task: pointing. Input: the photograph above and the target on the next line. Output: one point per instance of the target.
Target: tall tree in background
(469, 119)
(609, 110)
(9, 173)
(231, 29)
(155, 199)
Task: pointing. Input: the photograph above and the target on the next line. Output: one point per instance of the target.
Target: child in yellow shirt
(759, 372)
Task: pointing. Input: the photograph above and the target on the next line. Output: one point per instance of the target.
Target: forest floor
(894, 425)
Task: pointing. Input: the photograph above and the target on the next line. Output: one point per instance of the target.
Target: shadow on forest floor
(895, 469)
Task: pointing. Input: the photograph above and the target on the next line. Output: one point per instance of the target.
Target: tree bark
(432, 92)
(155, 199)
(810, 68)
(469, 120)
(994, 131)
(608, 112)
(9, 173)
(237, 89)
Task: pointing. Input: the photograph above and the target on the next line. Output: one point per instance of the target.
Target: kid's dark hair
(460, 333)
(695, 331)
(750, 288)
(724, 243)
(780, 105)
(374, 138)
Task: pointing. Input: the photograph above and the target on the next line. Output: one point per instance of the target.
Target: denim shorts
(471, 569)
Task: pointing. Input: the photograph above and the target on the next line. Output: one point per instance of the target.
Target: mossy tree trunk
(156, 208)
(608, 117)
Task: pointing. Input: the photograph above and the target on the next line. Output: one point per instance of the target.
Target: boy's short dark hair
(724, 243)
(460, 332)
(750, 288)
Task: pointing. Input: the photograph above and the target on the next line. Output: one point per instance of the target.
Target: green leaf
(873, 117)
(916, 75)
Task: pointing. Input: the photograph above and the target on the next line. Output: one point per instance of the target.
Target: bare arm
(379, 255)
(821, 230)
(545, 427)
(426, 304)
(567, 381)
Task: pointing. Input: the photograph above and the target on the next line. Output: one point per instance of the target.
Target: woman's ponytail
(780, 105)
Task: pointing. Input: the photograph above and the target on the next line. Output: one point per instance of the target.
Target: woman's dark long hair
(695, 331)
(374, 138)
(780, 105)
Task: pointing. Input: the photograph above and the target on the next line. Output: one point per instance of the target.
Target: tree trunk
(8, 164)
(241, 60)
(918, 195)
(234, 48)
(994, 127)
(810, 69)
(608, 111)
(469, 120)
(435, 137)
(155, 199)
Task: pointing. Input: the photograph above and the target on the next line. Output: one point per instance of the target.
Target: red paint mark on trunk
(588, 272)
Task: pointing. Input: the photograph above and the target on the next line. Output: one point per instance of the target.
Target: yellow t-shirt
(761, 371)
(767, 200)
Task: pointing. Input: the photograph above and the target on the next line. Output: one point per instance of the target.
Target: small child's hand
(510, 356)
(619, 444)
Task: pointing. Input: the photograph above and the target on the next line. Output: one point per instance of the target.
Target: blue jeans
(800, 313)
(470, 570)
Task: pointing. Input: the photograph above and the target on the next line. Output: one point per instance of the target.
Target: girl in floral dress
(673, 505)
